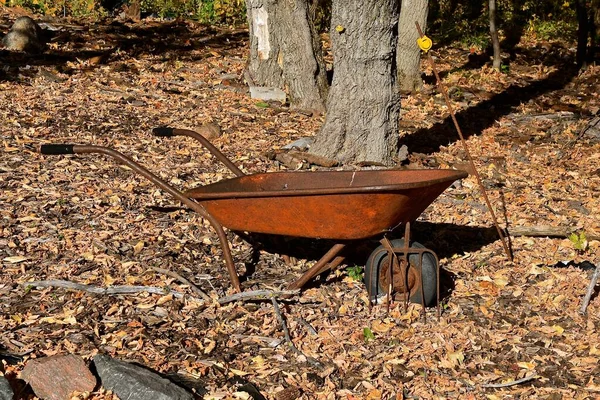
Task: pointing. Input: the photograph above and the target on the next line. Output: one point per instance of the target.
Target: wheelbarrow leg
(320, 266)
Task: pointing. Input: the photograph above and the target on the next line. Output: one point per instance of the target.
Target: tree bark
(285, 51)
(494, 33)
(302, 57)
(408, 56)
(363, 103)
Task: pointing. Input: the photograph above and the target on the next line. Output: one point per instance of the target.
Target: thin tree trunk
(302, 57)
(285, 51)
(408, 56)
(264, 46)
(363, 103)
(582, 32)
(494, 33)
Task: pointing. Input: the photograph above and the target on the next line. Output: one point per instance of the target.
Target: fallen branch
(511, 383)
(181, 279)
(257, 295)
(545, 231)
(111, 290)
(590, 290)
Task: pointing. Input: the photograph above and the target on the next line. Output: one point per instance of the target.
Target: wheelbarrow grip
(163, 132)
(57, 149)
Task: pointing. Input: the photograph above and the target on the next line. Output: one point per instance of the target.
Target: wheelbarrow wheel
(377, 275)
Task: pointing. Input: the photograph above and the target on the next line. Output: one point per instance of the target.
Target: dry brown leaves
(85, 219)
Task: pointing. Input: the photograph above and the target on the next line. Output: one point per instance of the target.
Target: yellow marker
(340, 29)
(424, 43)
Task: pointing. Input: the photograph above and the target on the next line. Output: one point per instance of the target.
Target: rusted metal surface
(338, 205)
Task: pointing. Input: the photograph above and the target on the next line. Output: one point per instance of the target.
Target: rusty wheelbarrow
(338, 205)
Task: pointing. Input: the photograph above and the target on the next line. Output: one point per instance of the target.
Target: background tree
(363, 102)
(497, 61)
(285, 51)
(408, 54)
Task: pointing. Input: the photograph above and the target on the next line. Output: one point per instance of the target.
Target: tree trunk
(302, 57)
(285, 51)
(363, 103)
(408, 56)
(494, 33)
(264, 47)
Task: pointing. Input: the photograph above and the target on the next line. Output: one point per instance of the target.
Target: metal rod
(209, 146)
(178, 195)
(314, 270)
(444, 92)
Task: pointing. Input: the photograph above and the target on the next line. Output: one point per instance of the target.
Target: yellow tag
(424, 43)
(340, 29)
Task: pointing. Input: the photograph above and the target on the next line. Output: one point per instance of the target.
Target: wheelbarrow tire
(378, 259)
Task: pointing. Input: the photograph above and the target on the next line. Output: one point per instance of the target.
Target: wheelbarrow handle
(169, 132)
(56, 149)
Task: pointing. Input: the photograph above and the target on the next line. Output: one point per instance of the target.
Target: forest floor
(534, 135)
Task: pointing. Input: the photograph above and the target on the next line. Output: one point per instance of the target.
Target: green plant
(356, 272)
(579, 241)
(504, 68)
(552, 29)
(368, 334)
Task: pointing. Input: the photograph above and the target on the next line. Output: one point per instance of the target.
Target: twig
(111, 290)
(181, 279)
(307, 325)
(590, 290)
(257, 295)
(511, 383)
(271, 342)
(545, 231)
(288, 339)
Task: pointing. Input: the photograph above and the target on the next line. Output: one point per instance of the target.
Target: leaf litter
(85, 219)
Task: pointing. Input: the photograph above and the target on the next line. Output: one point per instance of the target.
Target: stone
(58, 377)
(267, 93)
(24, 35)
(6, 392)
(132, 382)
(301, 144)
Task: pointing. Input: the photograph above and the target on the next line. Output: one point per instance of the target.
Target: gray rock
(300, 144)
(25, 35)
(403, 153)
(129, 381)
(6, 392)
(267, 93)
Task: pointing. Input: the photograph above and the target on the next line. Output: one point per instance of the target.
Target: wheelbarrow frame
(330, 260)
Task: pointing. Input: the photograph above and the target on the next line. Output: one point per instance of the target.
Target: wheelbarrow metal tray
(324, 204)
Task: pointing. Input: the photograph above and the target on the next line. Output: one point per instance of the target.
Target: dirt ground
(533, 132)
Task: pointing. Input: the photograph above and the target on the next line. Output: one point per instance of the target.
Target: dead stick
(111, 290)
(286, 333)
(590, 290)
(181, 279)
(444, 92)
(545, 231)
(512, 383)
(257, 295)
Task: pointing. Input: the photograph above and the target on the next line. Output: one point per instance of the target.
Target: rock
(129, 381)
(267, 93)
(301, 144)
(25, 35)
(6, 392)
(403, 153)
(58, 377)
(210, 131)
